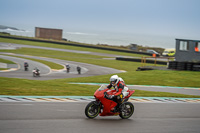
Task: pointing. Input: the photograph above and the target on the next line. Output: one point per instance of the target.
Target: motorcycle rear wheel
(92, 110)
(127, 110)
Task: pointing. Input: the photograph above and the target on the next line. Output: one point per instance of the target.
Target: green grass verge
(6, 61)
(3, 68)
(67, 47)
(54, 54)
(155, 77)
(12, 86)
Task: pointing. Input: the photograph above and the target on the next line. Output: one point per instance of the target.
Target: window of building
(184, 45)
(197, 47)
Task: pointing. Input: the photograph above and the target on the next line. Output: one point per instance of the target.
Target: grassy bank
(7, 62)
(12, 86)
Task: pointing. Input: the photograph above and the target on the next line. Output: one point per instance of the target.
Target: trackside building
(47, 33)
(187, 50)
(187, 55)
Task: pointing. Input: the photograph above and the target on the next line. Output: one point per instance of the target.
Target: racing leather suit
(120, 91)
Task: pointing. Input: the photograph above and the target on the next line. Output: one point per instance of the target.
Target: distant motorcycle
(68, 68)
(25, 68)
(36, 73)
(79, 69)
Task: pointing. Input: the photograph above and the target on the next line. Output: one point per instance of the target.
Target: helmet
(114, 80)
(120, 79)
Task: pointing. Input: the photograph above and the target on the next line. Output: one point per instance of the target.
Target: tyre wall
(189, 66)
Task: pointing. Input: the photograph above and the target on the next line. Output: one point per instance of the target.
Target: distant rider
(67, 67)
(26, 65)
(121, 90)
(79, 69)
(36, 70)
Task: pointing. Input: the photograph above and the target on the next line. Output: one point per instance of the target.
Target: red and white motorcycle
(102, 106)
(36, 73)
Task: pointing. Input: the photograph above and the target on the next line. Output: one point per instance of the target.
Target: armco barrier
(139, 60)
(72, 44)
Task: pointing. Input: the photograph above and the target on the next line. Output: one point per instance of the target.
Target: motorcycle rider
(67, 67)
(36, 70)
(79, 69)
(25, 65)
(121, 90)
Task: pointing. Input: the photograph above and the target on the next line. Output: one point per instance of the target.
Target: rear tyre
(126, 110)
(92, 110)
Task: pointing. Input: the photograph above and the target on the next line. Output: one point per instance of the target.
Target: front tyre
(126, 110)
(92, 110)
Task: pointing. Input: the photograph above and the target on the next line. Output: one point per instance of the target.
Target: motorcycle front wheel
(92, 110)
(126, 110)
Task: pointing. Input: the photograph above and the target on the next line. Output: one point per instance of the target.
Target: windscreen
(103, 87)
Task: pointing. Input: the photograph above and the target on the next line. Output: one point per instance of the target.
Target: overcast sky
(159, 17)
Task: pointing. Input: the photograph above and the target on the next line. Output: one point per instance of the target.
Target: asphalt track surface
(70, 118)
(47, 73)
